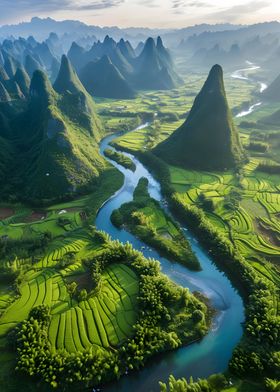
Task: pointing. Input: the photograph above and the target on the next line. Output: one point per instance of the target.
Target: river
(242, 74)
(213, 352)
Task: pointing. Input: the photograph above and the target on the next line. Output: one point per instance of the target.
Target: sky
(144, 13)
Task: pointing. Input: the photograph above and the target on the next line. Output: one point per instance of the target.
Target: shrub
(197, 316)
(257, 146)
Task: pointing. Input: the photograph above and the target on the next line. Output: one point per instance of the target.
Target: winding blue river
(213, 353)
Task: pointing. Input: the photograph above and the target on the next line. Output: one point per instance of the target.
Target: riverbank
(195, 360)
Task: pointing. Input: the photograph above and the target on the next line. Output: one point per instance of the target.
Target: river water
(242, 74)
(212, 354)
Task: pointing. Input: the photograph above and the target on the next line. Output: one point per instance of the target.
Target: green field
(89, 314)
(248, 214)
(104, 320)
(21, 222)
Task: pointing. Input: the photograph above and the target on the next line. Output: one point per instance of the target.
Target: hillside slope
(208, 139)
(57, 138)
(272, 93)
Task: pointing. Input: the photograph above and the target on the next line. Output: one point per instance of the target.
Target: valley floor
(46, 253)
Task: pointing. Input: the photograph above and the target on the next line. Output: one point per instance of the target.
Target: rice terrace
(140, 196)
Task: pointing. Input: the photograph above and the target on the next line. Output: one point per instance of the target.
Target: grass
(142, 140)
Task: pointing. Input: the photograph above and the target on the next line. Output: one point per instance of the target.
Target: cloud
(220, 11)
(237, 12)
(180, 6)
(186, 4)
(148, 3)
(42, 6)
(173, 13)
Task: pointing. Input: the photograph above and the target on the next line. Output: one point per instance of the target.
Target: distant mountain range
(41, 28)
(108, 69)
(259, 43)
(113, 70)
(200, 46)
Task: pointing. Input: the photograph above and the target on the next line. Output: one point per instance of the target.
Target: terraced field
(71, 244)
(141, 140)
(247, 209)
(102, 320)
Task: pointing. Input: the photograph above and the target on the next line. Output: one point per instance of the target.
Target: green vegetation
(25, 223)
(55, 141)
(138, 140)
(230, 233)
(215, 383)
(243, 208)
(147, 220)
(120, 158)
(90, 302)
(208, 139)
(82, 310)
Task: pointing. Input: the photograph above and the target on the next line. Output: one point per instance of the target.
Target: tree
(217, 381)
(197, 316)
(72, 288)
(83, 295)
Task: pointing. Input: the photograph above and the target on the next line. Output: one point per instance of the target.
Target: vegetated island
(120, 158)
(146, 219)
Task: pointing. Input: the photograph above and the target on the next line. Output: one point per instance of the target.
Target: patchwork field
(94, 307)
(18, 222)
(247, 209)
(103, 319)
